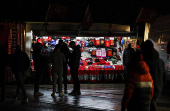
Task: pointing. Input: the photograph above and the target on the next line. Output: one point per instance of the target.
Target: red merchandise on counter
(93, 53)
(109, 52)
(40, 41)
(112, 42)
(107, 42)
(49, 38)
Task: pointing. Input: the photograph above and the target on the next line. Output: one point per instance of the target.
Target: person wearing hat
(74, 61)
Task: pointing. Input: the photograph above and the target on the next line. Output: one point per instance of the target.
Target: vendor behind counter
(114, 58)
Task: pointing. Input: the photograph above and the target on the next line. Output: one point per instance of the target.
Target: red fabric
(57, 9)
(93, 52)
(112, 42)
(87, 20)
(107, 43)
(147, 15)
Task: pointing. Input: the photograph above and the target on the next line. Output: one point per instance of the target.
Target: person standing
(46, 51)
(128, 59)
(74, 61)
(3, 57)
(139, 87)
(57, 59)
(20, 63)
(168, 50)
(157, 70)
(66, 52)
(38, 66)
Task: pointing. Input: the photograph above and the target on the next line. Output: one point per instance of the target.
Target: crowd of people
(144, 73)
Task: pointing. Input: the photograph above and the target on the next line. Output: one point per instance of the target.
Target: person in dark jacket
(74, 66)
(57, 60)
(168, 49)
(64, 49)
(38, 66)
(139, 87)
(3, 57)
(128, 59)
(20, 63)
(157, 70)
(46, 51)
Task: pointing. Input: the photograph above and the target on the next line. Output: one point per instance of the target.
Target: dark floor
(95, 97)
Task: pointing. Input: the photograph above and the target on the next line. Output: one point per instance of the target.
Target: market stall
(101, 57)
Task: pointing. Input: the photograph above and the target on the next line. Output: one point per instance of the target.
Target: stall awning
(86, 33)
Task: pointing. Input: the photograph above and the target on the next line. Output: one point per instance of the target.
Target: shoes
(53, 94)
(75, 93)
(25, 101)
(65, 91)
(61, 94)
(38, 94)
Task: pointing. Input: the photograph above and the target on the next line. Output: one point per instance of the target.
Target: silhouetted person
(128, 59)
(57, 60)
(3, 57)
(38, 66)
(139, 86)
(157, 70)
(20, 63)
(66, 52)
(168, 49)
(74, 65)
(47, 51)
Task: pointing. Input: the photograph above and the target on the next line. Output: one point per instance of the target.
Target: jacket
(57, 59)
(128, 55)
(75, 57)
(64, 49)
(157, 70)
(20, 61)
(139, 88)
(38, 59)
(3, 59)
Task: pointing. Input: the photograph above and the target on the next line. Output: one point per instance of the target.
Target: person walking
(20, 63)
(157, 70)
(139, 88)
(38, 66)
(64, 49)
(57, 59)
(3, 58)
(128, 59)
(74, 65)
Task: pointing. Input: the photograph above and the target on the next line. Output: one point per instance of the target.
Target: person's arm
(130, 85)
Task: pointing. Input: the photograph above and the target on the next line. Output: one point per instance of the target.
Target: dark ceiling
(102, 11)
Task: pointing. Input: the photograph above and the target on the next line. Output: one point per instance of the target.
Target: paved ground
(95, 97)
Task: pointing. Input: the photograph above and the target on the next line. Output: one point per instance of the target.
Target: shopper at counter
(157, 70)
(139, 87)
(46, 51)
(38, 66)
(3, 57)
(64, 49)
(74, 65)
(20, 63)
(128, 59)
(57, 60)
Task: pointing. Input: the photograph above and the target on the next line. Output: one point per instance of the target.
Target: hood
(151, 54)
(141, 67)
